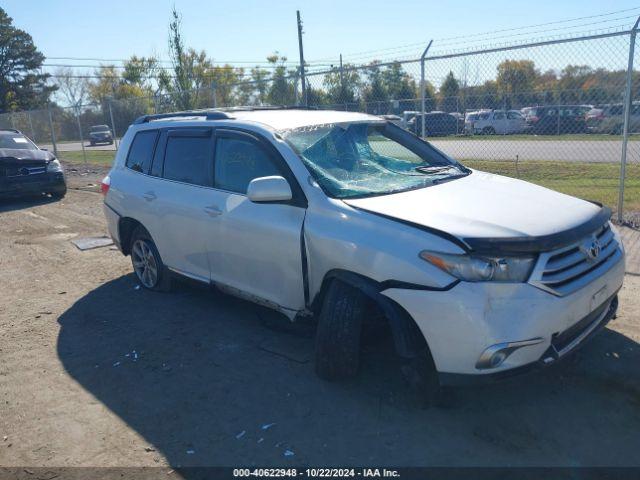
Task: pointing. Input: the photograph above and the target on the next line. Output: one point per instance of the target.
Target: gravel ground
(96, 372)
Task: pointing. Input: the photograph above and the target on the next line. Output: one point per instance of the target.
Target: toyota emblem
(592, 249)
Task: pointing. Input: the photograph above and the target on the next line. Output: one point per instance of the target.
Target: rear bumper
(113, 222)
(33, 185)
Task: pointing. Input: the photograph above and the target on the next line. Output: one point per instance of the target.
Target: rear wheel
(147, 264)
(338, 334)
(489, 131)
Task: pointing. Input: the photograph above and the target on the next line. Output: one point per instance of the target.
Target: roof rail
(249, 108)
(10, 130)
(210, 114)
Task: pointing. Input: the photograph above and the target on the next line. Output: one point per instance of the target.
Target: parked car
(492, 122)
(557, 119)
(393, 119)
(25, 169)
(436, 124)
(610, 119)
(407, 116)
(335, 215)
(100, 134)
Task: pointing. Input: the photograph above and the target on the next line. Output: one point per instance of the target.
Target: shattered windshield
(364, 159)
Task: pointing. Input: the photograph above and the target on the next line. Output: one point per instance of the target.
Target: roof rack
(218, 113)
(209, 114)
(10, 130)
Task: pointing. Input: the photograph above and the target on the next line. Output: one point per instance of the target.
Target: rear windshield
(351, 160)
(99, 128)
(16, 141)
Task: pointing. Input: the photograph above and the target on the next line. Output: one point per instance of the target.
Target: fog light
(497, 358)
(496, 354)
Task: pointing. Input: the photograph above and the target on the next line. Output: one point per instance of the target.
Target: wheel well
(126, 227)
(408, 340)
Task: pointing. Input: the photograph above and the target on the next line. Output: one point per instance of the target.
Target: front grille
(12, 171)
(568, 269)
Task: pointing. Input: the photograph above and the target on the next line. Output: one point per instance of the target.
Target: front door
(257, 246)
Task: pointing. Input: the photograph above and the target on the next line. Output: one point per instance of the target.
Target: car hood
(485, 210)
(13, 155)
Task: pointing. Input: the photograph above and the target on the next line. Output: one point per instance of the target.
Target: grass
(593, 181)
(94, 157)
(590, 137)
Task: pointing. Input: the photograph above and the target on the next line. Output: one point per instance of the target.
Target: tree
(22, 85)
(399, 86)
(142, 71)
(74, 89)
(281, 91)
(449, 91)
(516, 80)
(342, 87)
(374, 93)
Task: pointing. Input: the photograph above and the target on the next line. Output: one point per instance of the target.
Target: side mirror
(269, 189)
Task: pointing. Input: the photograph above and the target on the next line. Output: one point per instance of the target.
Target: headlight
(481, 269)
(54, 166)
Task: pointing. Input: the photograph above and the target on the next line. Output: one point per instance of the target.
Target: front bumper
(53, 182)
(461, 323)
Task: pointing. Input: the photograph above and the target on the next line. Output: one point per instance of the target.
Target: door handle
(212, 211)
(149, 196)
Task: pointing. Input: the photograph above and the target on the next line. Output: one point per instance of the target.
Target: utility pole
(303, 83)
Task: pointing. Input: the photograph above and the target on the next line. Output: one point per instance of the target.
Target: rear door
(182, 195)
(256, 247)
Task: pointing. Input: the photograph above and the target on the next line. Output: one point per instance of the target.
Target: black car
(100, 134)
(557, 119)
(435, 124)
(27, 170)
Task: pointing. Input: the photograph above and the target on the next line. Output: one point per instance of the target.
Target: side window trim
(153, 153)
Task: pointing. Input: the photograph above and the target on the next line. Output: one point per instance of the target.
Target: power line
(481, 34)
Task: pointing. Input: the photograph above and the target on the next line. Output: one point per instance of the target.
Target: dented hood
(482, 208)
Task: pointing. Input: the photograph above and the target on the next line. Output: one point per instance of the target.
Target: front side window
(364, 159)
(16, 141)
(238, 161)
(188, 159)
(141, 151)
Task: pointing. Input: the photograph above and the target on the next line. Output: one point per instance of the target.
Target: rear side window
(238, 161)
(188, 159)
(141, 151)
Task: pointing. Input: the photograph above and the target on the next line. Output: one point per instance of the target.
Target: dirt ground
(97, 372)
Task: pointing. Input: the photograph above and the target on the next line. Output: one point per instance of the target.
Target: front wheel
(338, 335)
(147, 263)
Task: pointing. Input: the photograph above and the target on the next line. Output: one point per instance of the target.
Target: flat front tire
(338, 334)
(147, 264)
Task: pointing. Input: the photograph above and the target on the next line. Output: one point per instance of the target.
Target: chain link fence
(551, 112)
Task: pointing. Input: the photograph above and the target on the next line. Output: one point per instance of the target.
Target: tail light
(104, 186)
(533, 119)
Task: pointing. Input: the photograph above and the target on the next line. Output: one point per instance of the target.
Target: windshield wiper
(434, 168)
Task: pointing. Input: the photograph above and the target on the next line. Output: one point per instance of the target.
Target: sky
(250, 30)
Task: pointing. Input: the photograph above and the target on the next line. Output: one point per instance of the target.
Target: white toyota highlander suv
(325, 213)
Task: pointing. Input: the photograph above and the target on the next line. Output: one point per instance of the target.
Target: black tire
(163, 281)
(338, 334)
(422, 378)
(488, 131)
(59, 193)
